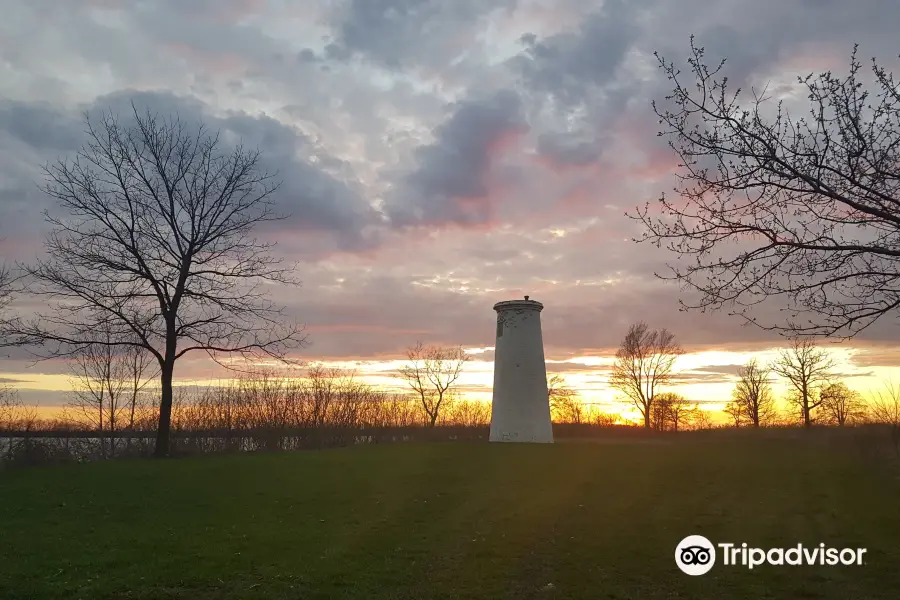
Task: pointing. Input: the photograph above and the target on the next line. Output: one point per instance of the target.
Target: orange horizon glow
(587, 375)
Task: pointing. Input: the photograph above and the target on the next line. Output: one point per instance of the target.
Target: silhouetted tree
(158, 249)
(884, 408)
(769, 204)
(805, 366)
(736, 412)
(672, 411)
(643, 364)
(565, 405)
(13, 413)
(107, 383)
(752, 398)
(431, 373)
(841, 405)
(702, 419)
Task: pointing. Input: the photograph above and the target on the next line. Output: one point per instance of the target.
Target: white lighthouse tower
(521, 406)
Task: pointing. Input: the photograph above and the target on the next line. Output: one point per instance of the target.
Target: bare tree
(659, 412)
(140, 369)
(805, 366)
(702, 419)
(672, 411)
(158, 249)
(885, 404)
(884, 408)
(771, 205)
(107, 382)
(14, 414)
(736, 412)
(643, 364)
(681, 412)
(565, 405)
(842, 406)
(95, 402)
(752, 399)
(432, 372)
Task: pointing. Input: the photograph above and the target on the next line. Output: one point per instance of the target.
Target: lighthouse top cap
(525, 304)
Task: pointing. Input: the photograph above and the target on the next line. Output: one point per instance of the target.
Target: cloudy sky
(436, 155)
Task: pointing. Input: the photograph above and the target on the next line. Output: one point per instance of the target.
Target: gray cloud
(43, 398)
(384, 31)
(40, 126)
(567, 65)
(30, 135)
(450, 181)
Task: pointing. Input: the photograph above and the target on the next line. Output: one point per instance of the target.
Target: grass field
(572, 520)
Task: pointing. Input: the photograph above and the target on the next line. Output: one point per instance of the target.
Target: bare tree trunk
(100, 430)
(806, 411)
(111, 426)
(130, 424)
(647, 417)
(165, 410)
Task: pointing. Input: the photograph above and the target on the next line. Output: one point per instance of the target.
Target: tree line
(645, 364)
(113, 391)
(115, 404)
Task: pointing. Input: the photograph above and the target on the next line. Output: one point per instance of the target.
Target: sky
(436, 156)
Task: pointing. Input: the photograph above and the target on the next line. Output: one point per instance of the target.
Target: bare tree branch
(768, 205)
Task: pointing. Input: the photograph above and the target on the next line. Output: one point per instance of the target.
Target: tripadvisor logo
(696, 555)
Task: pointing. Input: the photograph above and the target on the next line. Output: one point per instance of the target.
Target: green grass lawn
(572, 520)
